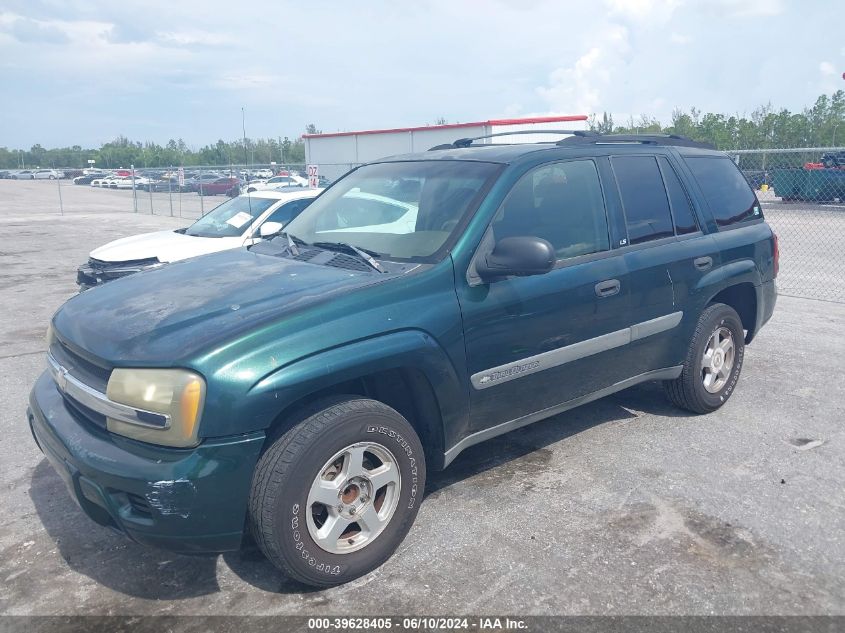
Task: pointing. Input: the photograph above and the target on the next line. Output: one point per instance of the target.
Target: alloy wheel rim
(353, 498)
(718, 360)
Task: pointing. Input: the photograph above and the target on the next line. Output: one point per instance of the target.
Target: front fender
(413, 349)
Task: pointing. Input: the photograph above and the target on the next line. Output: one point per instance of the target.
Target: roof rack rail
(466, 142)
(646, 139)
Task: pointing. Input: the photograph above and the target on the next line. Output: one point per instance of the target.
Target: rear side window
(682, 213)
(643, 198)
(727, 192)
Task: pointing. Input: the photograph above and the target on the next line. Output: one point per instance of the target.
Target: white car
(276, 182)
(124, 182)
(98, 182)
(47, 174)
(240, 221)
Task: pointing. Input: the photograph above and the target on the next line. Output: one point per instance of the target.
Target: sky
(83, 72)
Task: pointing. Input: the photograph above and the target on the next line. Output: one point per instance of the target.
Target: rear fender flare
(711, 284)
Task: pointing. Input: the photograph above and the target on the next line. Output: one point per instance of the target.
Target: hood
(166, 316)
(168, 246)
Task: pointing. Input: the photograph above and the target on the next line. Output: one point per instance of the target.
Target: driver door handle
(703, 263)
(608, 288)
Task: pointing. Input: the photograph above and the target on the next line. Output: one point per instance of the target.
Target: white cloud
(827, 69)
(579, 88)
(680, 38)
(650, 10)
(195, 38)
(750, 8)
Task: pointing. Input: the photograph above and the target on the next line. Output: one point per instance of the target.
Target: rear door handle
(608, 288)
(703, 263)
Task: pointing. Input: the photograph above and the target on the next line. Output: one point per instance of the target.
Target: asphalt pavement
(623, 506)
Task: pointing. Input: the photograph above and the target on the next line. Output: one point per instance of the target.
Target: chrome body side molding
(668, 373)
(582, 349)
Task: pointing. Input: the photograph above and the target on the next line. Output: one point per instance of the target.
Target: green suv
(301, 388)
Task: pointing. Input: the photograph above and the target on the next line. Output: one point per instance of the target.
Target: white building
(338, 152)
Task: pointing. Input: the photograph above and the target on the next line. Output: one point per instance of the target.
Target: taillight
(777, 255)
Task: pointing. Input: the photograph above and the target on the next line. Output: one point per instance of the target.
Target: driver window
(561, 203)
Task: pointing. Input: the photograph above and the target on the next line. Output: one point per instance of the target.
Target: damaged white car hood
(167, 246)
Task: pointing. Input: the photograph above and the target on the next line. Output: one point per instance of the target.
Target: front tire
(713, 362)
(335, 495)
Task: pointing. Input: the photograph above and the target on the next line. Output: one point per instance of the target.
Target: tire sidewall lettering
(295, 521)
(409, 452)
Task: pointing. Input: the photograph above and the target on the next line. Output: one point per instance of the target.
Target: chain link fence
(802, 192)
(184, 192)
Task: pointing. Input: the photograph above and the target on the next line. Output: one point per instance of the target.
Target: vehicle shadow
(105, 556)
(111, 559)
(505, 451)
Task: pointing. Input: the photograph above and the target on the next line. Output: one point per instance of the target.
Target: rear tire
(335, 495)
(713, 362)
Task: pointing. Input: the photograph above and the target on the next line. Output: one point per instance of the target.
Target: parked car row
(204, 183)
(32, 174)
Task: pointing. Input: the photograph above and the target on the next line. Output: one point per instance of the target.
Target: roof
(491, 153)
(454, 126)
(593, 144)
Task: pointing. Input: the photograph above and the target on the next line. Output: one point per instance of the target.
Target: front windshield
(404, 211)
(231, 218)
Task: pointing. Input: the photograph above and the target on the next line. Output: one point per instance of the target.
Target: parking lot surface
(623, 506)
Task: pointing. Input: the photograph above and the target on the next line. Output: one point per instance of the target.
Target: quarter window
(682, 212)
(643, 198)
(561, 203)
(727, 192)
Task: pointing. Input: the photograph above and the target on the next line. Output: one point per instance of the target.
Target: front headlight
(176, 393)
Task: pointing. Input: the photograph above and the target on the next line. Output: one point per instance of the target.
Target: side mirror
(269, 229)
(516, 256)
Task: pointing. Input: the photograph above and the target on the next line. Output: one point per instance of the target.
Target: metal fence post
(61, 206)
(150, 191)
(170, 189)
(202, 207)
(134, 191)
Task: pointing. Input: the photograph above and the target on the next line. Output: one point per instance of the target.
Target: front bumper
(95, 273)
(187, 501)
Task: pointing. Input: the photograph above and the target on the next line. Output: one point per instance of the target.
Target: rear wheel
(335, 495)
(713, 363)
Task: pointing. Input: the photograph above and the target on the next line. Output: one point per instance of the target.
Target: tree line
(122, 152)
(766, 127)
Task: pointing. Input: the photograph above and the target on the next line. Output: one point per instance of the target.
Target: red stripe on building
(452, 126)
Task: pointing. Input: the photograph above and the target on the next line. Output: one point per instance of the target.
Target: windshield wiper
(363, 253)
(292, 241)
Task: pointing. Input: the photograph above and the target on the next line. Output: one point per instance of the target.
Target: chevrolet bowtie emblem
(61, 378)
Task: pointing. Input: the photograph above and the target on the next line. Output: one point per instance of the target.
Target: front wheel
(335, 495)
(713, 363)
